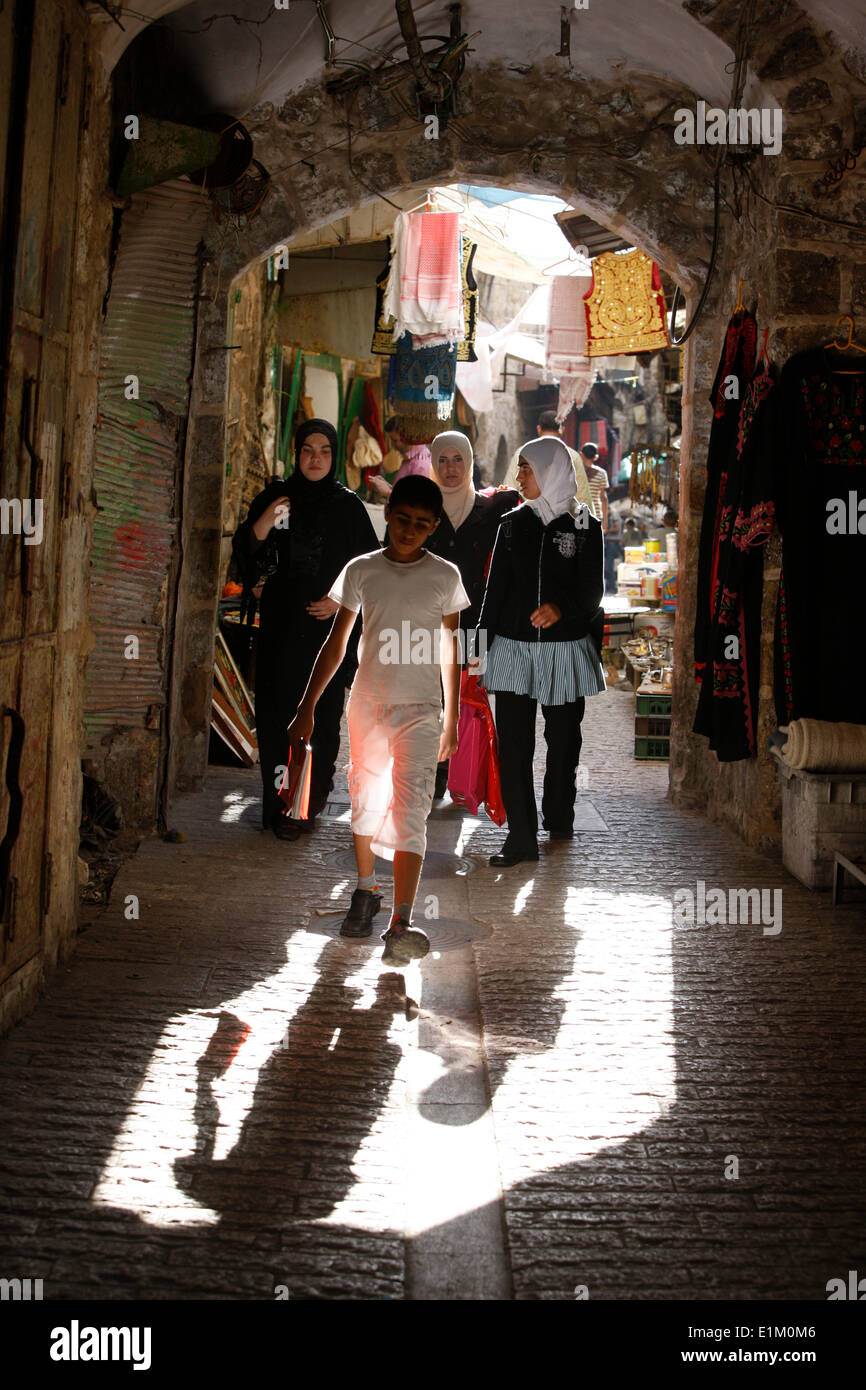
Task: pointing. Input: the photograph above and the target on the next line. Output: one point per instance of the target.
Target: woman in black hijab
(299, 533)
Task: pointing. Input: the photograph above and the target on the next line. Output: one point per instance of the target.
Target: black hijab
(304, 494)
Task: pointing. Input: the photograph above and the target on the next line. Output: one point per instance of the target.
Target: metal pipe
(430, 84)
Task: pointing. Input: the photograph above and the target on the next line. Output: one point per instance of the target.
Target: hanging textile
(625, 309)
(424, 386)
(818, 443)
(735, 371)
(565, 342)
(614, 455)
(594, 432)
(373, 411)
(424, 294)
(728, 700)
(383, 336)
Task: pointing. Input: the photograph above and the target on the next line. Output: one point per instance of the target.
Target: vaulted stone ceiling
(238, 54)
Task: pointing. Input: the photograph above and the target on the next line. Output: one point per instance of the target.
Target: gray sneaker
(404, 943)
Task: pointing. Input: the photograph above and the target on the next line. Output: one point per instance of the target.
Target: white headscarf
(459, 500)
(554, 472)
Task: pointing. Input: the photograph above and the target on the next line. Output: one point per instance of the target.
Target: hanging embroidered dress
(735, 371)
(625, 309)
(819, 453)
(728, 700)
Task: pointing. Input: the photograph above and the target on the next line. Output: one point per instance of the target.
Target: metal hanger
(850, 346)
(570, 259)
(739, 307)
(432, 198)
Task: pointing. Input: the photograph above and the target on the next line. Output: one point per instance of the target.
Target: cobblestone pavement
(221, 1097)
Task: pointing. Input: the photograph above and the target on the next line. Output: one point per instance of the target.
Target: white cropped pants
(392, 772)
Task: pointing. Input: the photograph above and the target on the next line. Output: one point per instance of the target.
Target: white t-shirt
(402, 609)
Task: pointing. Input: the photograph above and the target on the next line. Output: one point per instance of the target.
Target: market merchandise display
(625, 309)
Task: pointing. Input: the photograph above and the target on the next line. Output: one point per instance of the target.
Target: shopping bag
(476, 695)
(493, 803)
(295, 787)
(467, 770)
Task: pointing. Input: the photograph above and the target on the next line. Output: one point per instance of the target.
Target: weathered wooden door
(42, 80)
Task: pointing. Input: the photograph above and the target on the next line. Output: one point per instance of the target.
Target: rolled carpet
(816, 745)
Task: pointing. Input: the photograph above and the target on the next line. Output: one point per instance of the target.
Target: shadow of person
(316, 1099)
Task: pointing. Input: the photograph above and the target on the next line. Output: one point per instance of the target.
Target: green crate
(652, 725)
(653, 749)
(653, 704)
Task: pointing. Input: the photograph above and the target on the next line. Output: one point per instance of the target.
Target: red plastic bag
(295, 787)
(475, 765)
(467, 770)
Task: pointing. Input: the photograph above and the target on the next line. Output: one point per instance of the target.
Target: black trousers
(274, 709)
(515, 731)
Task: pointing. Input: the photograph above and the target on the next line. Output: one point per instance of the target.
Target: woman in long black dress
(467, 530)
(299, 533)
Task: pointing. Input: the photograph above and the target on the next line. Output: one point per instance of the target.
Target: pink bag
(467, 771)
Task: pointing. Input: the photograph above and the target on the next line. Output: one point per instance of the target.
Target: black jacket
(561, 563)
(470, 545)
(304, 560)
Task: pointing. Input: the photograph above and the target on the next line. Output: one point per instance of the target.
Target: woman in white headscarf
(467, 530)
(545, 587)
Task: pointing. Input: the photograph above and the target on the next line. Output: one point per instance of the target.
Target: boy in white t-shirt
(409, 601)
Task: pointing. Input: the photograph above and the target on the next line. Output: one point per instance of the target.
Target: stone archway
(606, 145)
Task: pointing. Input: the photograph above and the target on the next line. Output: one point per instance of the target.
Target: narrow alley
(372, 373)
(222, 1097)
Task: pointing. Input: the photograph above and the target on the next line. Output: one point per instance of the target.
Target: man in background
(597, 480)
(547, 425)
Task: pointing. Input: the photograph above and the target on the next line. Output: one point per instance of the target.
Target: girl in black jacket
(545, 586)
(299, 533)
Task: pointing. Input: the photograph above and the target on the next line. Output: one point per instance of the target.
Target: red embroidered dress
(728, 701)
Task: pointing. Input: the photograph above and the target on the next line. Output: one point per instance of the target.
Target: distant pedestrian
(598, 482)
(415, 460)
(543, 595)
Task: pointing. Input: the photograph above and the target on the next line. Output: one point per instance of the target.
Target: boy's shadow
(316, 1099)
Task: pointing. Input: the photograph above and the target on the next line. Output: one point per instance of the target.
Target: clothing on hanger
(625, 309)
(383, 344)
(424, 294)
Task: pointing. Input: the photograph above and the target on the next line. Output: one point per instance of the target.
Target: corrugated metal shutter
(149, 330)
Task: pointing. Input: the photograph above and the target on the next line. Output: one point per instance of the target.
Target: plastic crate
(653, 704)
(652, 749)
(652, 725)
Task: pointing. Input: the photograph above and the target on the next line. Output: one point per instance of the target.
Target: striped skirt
(555, 673)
